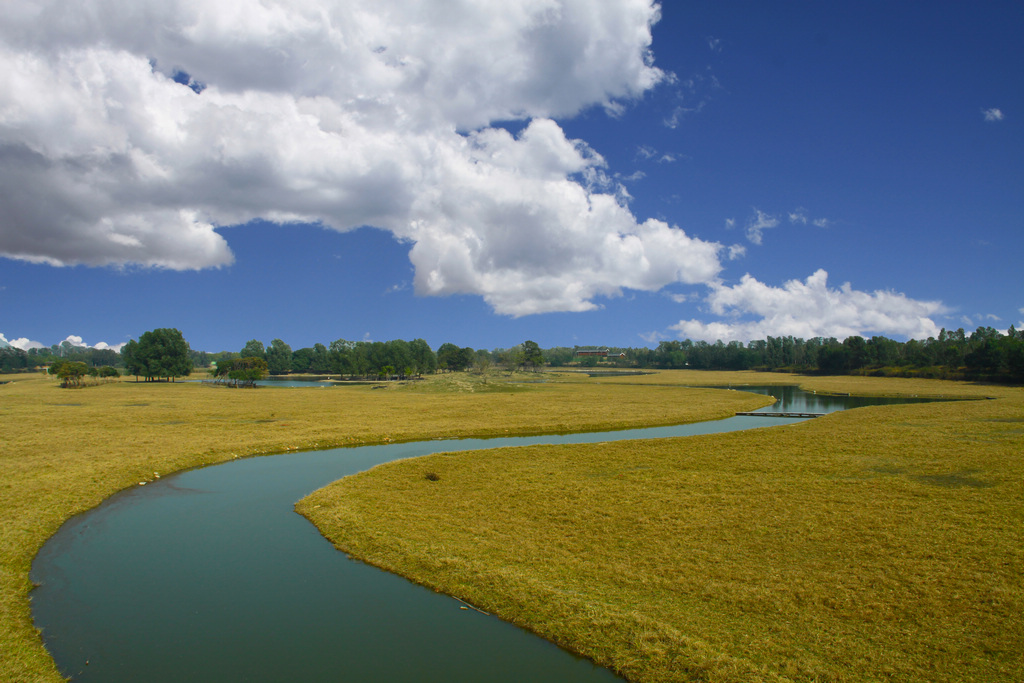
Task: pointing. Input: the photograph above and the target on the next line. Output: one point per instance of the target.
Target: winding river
(209, 575)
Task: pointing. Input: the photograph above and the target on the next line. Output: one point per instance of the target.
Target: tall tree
(253, 349)
(320, 363)
(279, 358)
(160, 353)
(531, 357)
(423, 357)
(451, 357)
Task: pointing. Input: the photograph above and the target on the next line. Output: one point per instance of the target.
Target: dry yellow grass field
(63, 451)
(885, 543)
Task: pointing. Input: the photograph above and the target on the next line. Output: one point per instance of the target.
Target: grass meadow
(63, 451)
(880, 544)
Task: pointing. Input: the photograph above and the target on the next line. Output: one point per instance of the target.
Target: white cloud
(25, 344)
(79, 342)
(22, 343)
(800, 216)
(736, 251)
(758, 224)
(993, 115)
(650, 153)
(810, 309)
(346, 113)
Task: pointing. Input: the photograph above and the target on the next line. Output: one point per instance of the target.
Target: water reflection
(791, 399)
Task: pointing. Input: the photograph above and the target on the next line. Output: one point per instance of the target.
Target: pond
(209, 575)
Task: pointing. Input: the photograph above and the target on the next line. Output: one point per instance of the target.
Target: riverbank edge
(496, 603)
(23, 656)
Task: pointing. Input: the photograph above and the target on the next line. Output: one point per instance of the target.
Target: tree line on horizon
(986, 354)
(397, 358)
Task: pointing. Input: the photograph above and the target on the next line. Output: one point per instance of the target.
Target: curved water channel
(209, 575)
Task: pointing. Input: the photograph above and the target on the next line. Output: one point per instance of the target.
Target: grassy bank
(885, 543)
(64, 451)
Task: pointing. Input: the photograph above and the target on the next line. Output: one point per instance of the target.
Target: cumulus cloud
(810, 308)
(75, 340)
(993, 115)
(25, 344)
(130, 132)
(22, 343)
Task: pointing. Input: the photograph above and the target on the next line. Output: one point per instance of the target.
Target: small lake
(210, 576)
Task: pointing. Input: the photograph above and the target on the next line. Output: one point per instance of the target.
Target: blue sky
(568, 172)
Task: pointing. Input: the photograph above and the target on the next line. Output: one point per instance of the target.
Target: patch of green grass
(884, 543)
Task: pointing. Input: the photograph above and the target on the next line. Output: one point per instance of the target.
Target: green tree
(451, 357)
(857, 352)
(531, 356)
(131, 365)
(246, 371)
(424, 360)
(12, 359)
(341, 356)
(302, 360)
(834, 359)
(160, 353)
(279, 358)
(253, 349)
(70, 372)
(320, 363)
